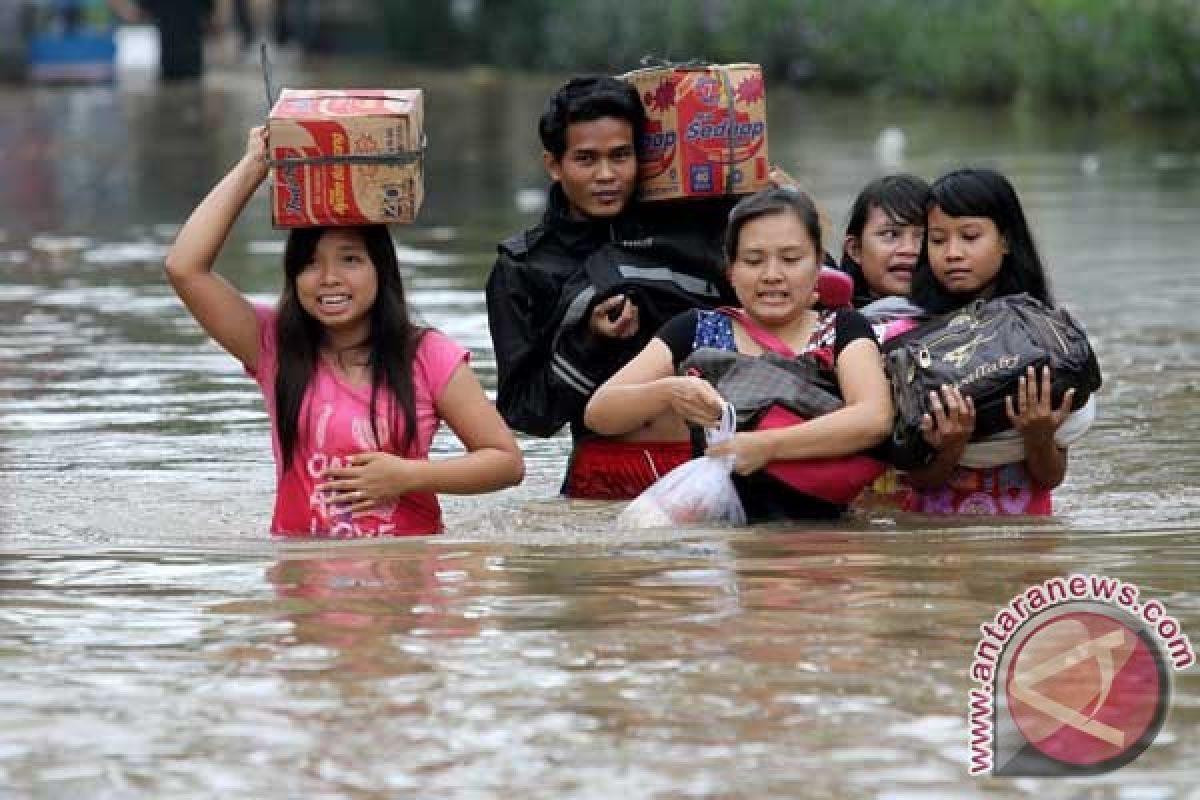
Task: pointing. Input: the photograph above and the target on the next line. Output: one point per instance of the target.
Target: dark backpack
(983, 348)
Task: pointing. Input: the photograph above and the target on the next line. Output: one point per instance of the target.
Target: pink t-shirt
(335, 423)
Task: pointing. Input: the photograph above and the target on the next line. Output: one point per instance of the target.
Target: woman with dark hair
(354, 389)
(884, 237)
(978, 245)
(773, 251)
(945, 278)
(880, 251)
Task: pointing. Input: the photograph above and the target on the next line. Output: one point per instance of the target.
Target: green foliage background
(1137, 55)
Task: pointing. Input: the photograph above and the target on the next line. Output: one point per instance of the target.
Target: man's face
(598, 171)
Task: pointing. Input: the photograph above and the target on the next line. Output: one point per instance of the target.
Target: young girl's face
(965, 253)
(887, 252)
(775, 270)
(338, 287)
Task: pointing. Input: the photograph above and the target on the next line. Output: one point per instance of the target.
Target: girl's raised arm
(220, 309)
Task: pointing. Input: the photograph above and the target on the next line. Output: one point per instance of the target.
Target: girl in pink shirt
(355, 391)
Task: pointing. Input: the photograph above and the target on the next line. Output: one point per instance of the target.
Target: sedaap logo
(708, 90)
(294, 204)
(658, 150)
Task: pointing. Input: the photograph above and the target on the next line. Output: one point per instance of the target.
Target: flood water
(155, 642)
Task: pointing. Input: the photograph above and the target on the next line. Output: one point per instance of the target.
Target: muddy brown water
(155, 642)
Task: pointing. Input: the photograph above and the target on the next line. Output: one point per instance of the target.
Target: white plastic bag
(699, 490)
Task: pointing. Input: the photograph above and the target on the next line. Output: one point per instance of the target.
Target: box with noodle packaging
(346, 156)
(706, 130)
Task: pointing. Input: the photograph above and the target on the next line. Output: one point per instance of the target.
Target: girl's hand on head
(695, 400)
(369, 480)
(952, 420)
(1033, 413)
(256, 147)
(751, 452)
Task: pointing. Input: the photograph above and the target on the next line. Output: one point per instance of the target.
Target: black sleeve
(850, 326)
(590, 358)
(535, 394)
(679, 333)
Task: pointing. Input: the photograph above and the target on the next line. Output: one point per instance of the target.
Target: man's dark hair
(586, 98)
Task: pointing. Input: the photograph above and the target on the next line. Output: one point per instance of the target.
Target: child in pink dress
(354, 390)
(978, 245)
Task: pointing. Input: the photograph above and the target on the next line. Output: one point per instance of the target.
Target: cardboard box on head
(706, 130)
(346, 157)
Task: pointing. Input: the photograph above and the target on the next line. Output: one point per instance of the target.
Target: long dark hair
(983, 193)
(904, 198)
(783, 200)
(392, 340)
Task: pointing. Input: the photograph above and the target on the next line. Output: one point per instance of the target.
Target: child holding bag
(978, 245)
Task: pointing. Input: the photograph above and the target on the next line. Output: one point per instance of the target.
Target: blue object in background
(71, 41)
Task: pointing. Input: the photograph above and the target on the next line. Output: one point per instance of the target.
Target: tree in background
(1131, 54)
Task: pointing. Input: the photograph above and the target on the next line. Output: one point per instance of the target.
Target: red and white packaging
(346, 157)
(706, 130)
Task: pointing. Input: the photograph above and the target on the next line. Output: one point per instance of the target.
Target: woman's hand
(256, 148)
(369, 480)
(695, 400)
(751, 451)
(952, 420)
(1034, 415)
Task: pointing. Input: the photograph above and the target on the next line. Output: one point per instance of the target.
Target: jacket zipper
(925, 358)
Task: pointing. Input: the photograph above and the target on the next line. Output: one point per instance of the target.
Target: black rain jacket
(666, 257)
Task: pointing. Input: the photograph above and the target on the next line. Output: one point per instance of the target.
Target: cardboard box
(706, 130)
(346, 157)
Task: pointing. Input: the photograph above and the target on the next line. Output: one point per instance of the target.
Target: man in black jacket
(573, 298)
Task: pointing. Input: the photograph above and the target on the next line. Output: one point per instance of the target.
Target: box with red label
(346, 157)
(706, 130)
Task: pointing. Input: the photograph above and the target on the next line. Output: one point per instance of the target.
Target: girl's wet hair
(784, 200)
(392, 340)
(983, 193)
(905, 200)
